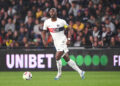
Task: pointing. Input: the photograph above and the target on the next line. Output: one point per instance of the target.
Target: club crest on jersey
(58, 25)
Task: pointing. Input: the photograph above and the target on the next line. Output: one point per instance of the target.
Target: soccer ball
(27, 75)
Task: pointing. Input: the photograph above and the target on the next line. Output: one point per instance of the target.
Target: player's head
(53, 12)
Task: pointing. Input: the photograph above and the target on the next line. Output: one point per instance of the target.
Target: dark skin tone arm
(43, 38)
(69, 36)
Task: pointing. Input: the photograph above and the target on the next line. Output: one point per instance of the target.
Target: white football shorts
(61, 45)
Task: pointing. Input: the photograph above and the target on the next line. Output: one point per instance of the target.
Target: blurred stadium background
(95, 42)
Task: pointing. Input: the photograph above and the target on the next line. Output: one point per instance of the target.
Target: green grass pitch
(67, 79)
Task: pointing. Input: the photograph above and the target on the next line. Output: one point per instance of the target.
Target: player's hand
(44, 43)
(68, 42)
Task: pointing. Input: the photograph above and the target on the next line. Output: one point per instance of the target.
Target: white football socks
(72, 64)
(59, 67)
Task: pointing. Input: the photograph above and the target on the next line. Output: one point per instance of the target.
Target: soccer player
(56, 28)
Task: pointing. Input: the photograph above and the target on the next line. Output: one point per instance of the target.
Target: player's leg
(72, 64)
(59, 64)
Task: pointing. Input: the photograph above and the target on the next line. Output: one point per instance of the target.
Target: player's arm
(69, 36)
(43, 34)
(69, 33)
(44, 38)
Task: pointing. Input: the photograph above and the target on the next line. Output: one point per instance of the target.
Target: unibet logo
(88, 60)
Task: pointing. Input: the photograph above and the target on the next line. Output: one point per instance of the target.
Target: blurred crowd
(92, 23)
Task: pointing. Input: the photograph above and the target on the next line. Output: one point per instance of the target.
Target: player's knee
(66, 58)
(57, 58)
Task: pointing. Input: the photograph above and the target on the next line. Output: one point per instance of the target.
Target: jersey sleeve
(65, 24)
(45, 25)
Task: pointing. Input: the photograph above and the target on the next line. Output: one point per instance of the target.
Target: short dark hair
(54, 9)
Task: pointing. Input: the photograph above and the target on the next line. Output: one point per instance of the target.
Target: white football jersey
(56, 28)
